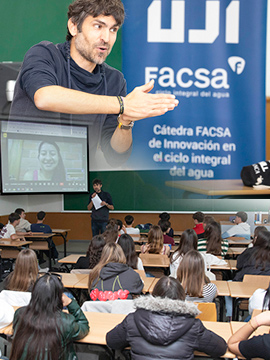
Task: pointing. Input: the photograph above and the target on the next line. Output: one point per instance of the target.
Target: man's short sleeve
(39, 68)
(10, 230)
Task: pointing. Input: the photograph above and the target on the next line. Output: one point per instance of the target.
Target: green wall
(25, 23)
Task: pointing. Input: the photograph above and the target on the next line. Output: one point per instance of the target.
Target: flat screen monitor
(43, 158)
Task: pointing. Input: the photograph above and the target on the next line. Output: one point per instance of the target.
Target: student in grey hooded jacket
(165, 324)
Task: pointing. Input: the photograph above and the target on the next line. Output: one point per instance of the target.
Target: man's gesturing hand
(139, 104)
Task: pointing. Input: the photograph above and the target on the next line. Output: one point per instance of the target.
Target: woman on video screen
(50, 162)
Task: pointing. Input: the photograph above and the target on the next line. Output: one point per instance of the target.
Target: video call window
(39, 157)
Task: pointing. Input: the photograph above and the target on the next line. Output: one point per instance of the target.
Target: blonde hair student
(155, 243)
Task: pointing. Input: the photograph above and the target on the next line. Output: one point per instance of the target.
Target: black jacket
(164, 329)
(246, 264)
(116, 276)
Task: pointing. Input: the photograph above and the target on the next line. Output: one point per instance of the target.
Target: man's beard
(92, 55)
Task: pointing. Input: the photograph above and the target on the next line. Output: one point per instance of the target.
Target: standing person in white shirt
(128, 227)
(241, 229)
(24, 225)
(8, 231)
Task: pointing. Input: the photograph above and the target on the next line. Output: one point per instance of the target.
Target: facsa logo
(176, 34)
(237, 64)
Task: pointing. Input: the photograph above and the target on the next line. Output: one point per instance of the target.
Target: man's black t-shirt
(102, 214)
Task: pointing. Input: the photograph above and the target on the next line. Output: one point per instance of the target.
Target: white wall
(48, 203)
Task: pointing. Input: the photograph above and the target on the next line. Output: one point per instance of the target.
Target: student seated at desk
(93, 254)
(191, 274)
(111, 233)
(24, 225)
(165, 324)
(213, 242)
(155, 243)
(166, 217)
(241, 229)
(188, 242)
(112, 278)
(257, 230)
(46, 229)
(255, 260)
(164, 225)
(254, 347)
(198, 218)
(128, 227)
(41, 329)
(259, 300)
(25, 273)
(9, 232)
(127, 244)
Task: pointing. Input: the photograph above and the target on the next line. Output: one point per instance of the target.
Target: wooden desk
(221, 267)
(222, 287)
(240, 289)
(71, 280)
(235, 240)
(222, 329)
(232, 264)
(101, 323)
(40, 242)
(10, 250)
(155, 260)
(63, 233)
(216, 187)
(234, 251)
(70, 259)
(138, 248)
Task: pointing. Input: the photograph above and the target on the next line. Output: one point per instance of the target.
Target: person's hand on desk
(66, 300)
(245, 331)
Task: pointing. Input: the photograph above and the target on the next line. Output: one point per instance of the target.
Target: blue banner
(211, 56)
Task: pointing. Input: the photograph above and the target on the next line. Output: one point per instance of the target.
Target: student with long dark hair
(41, 329)
(127, 244)
(165, 324)
(25, 273)
(255, 260)
(93, 254)
(188, 242)
(112, 278)
(242, 344)
(191, 274)
(213, 242)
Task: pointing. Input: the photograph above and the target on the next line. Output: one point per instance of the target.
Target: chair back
(208, 311)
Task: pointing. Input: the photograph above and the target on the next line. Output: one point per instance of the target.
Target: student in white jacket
(241, 229)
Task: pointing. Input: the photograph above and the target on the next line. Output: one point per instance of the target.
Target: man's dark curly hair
(80, 9)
